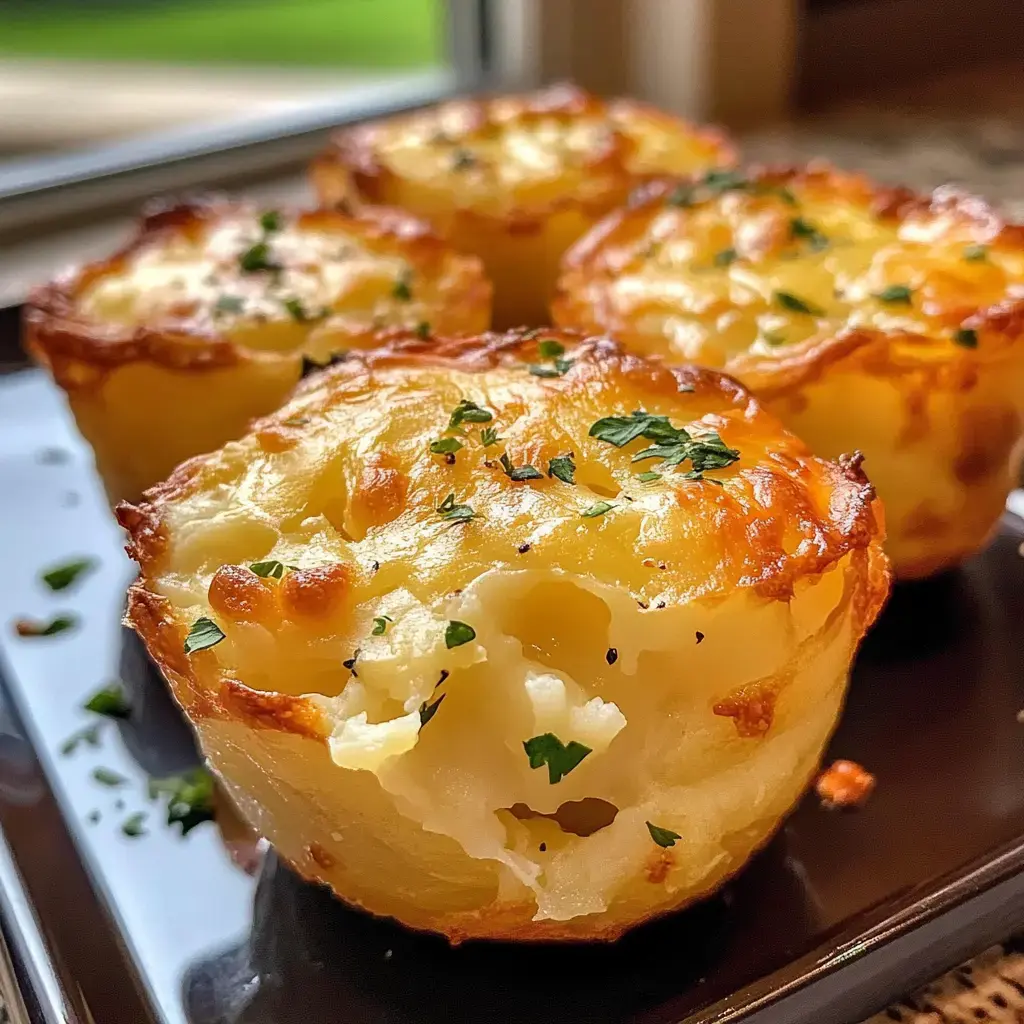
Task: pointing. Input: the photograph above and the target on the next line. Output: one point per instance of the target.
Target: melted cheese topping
(524, 153)
(712, 273)
(431, 615)
(231, 275)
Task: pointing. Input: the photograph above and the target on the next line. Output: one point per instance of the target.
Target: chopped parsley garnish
(468, 412)
(787, 300)
(458, 633)
(446, 446)
(133, 827)
(203, 634)
(802, 229)
(89, 735)
(662, 836)
(524, 472)
(272, 568)
(110, 702)
(422, 330)
(966, 337)
(717, 182)
(551, 350)
(380, 625)
(60, 577)
(562, 468)
(271, 221)
(489, 436)
(296, 310)
(427, 711)
(58, 624)
(106, 777)
(648, 477)
(560, 758)
(597, 510)
(896, 293)
(257, 258)
(976, 253)
(403, 287)
(462, 159)
(673, 444)
(229, 304)
(453, 513)
(189, 798)
(772, 337)
(726, 257)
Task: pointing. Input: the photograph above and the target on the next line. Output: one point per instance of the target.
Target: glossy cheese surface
(476, 605)
(743, 266)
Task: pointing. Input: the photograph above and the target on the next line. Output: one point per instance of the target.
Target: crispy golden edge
(204, 689)
(874, 352)
(352, 152)
(56, 333)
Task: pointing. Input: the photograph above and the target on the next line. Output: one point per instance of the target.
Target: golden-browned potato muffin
(517, 637)
(864, 317)
(515, 179)
(202, 322)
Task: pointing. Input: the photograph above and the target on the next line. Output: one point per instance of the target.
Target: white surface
(160, 877)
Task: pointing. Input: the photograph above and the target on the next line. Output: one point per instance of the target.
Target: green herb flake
(60, 577)
(458, 633)
(380, 625)
(453, 513)
(550, 349)
(257, 258)
(58, 624)
(189, 798)
(110, 702)
(462, 159)
(726, 257)
(489, 437)
(559, 368)
(106, 777)
(966, 337)
(597, 510)
(561, 759)
(562, 467)
(773, 338)
(134, 826)
(801, 229)
(896, 293)
(90, 735)
(662, 836)
(524, 472)
(468, 412)
(272, 569)
(446, 446)
(787, 300)
(427, 711)
(229, 304)
(976, 253)
(270, 221)
(403, 287)
(422, 330)
(204, 633)
(648, 477)
(296, 310)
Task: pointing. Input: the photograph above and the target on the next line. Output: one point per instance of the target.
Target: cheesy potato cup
(515, 637)
(204, 320)
(515, 179)
(864, 317)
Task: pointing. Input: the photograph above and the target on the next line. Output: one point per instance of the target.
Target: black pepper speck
(523, 548)
(611, 655)
(699, 635)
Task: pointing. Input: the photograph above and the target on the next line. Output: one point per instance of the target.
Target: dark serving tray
(840, 913)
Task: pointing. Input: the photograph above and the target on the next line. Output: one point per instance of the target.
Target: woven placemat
(988, 988)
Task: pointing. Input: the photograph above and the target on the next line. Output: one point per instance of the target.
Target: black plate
(838, 914)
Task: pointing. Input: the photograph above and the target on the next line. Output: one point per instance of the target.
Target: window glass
(78, 74)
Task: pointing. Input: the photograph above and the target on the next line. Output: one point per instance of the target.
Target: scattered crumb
(388, 954)
(53, 456)
(844, 784)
